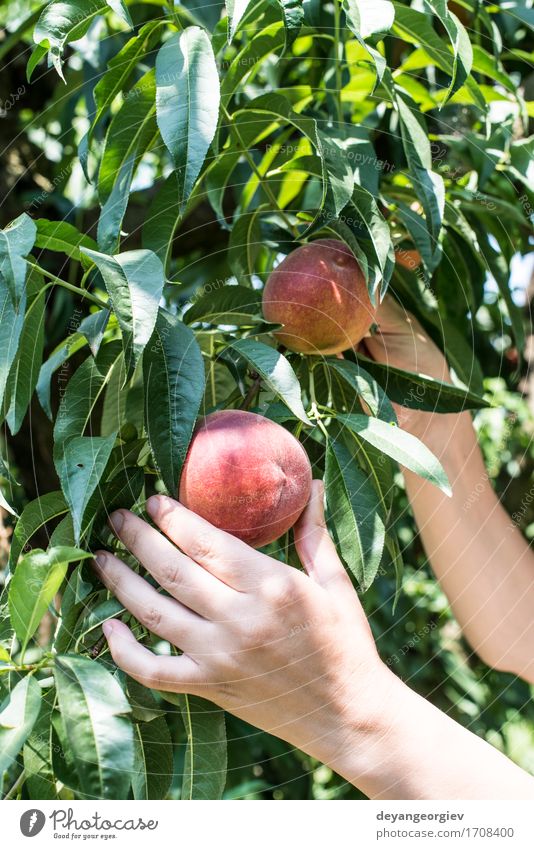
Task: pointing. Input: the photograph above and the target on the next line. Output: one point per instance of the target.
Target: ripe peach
(246, 475)
(319, 294)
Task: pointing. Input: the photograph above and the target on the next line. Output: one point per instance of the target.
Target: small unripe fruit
(246, 475)
(319, 294)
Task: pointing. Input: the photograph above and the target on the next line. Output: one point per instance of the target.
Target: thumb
(315, 547)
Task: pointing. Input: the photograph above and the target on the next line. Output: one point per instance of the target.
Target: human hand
(401, 342)
(289, 652)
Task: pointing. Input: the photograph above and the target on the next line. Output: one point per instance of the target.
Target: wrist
(351, 734)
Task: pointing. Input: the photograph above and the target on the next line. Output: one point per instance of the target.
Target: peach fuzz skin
(319, 294)
(246, 475)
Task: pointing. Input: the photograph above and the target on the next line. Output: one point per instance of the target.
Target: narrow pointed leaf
(173, 371)
(134, 281)
(276, 371)
(400, 445)
(62, 237)
(18, 715)
(36, 581)
(354, 514)
(35, 514)
(80, 469)
(16, 242)
(96, 720)
(187, 103)
(205, 761)
(153, 759)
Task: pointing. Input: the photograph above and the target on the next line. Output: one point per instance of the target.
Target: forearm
(414, 751)
(479, 556)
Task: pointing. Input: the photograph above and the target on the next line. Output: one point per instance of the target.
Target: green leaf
(95, 714)
(25, 370)
(236, 10)
(132, 131)
(134, 281)
(173, 371)
(354, 513)
(5, 472)
(333, 164)
(89, 621)
(62, 237)
(57, 358)
(18, 715)
(428, 185)
(11, 323)
(366, 222)
(16, 242)
(522, 160)
(262, 44)
(114, 209)
(37, 754)
(416, 28)
(36, 581)
(205, 759)
(63, 21)
(37, 55)
(187, 103)
(244, 245)
(93, 328)
(498, 268)
(81, 395)
(366, 18)
(153, 759)
(418, 392)
(35, 514)
(431, 253)
(80, 469)
(162, 220)
(293, 12)
(276, 371)
(226, 305)
(400, 445)
(369, 17)
(463, 52)
(366, 387)
(121, 67)
(120, 9)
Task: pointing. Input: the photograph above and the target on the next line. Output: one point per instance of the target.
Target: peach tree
(169, 156)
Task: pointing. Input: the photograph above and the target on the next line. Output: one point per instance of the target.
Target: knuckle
(171, 574)
(152, 618)
(201, 547)
(280, 592)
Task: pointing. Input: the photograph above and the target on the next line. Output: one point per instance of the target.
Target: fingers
(179, 575)
(225, 556)
(162, 615)
(175, 674)
(315, 548)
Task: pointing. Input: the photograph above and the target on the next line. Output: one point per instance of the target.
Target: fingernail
(116, 520)
(100, 559)
(107, 628)
(153, 506)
